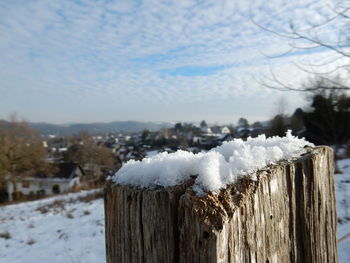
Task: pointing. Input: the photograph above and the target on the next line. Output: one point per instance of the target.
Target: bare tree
(85, 152)
(313, 37)
(21, 151)
(278, 124)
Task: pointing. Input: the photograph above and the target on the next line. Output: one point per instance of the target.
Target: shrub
(87, 212)
(42, 209)
(31, 195)
(4, 196)
(70, 215)
(30, 242)
(56, 189)
(16, 196)
(347, 151)
(40, 193)
(5, 235)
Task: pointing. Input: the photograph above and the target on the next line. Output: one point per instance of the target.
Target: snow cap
(215, 169)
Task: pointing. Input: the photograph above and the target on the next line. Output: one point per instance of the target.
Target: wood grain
(287, 215)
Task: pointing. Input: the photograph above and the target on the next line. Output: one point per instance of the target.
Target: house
(206, 130)
(220, 129)
(225, 130)
(244, 132)
(67, 178)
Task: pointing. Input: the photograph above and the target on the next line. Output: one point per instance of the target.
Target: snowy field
(70, 228)
(63, 229)
(343, 209)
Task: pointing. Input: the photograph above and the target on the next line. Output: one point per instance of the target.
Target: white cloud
(114, 52)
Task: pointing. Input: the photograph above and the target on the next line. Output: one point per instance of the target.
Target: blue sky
(103, 60)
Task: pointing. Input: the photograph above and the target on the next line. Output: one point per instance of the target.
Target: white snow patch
(342, 190)
(214, 169)
(73, 232)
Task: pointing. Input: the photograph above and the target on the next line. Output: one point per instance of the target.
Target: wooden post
(287, 215)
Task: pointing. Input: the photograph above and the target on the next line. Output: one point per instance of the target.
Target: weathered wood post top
(260, 200)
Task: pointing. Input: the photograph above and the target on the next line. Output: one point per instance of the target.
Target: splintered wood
(287, 215)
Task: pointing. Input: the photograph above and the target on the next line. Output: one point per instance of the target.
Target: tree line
(325, 121)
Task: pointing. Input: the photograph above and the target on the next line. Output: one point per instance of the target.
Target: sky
(102, 60)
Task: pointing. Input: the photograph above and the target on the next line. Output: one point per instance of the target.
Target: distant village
(146, 143)
(85, 161)
(34, 165)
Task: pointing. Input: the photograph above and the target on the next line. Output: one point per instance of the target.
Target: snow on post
(260, 200)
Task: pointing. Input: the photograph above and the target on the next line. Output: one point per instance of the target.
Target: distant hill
(98, 128)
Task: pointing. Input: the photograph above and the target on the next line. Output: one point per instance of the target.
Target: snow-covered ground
(60, 229)
(342, 182)
(68, 230)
